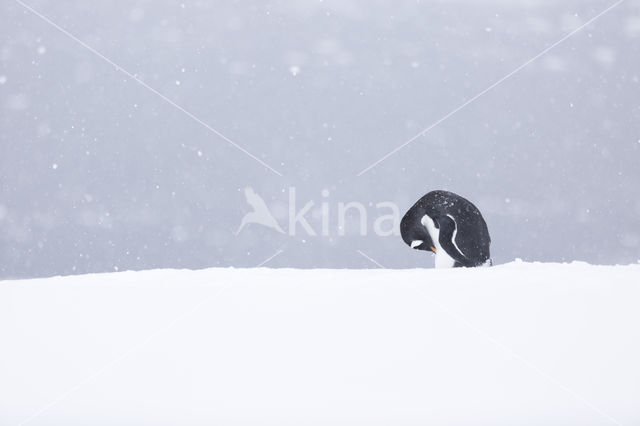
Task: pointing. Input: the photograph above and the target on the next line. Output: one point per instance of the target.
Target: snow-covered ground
(521, 343)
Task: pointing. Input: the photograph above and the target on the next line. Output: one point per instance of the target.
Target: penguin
(451, 227)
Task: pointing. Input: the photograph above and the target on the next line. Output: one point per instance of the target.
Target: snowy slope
(553, 344)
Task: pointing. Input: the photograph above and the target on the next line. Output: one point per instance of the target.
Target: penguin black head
(414, 234)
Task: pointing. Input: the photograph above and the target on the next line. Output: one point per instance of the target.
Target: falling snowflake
(294, 70)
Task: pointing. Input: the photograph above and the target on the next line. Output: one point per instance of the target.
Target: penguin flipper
(446, 238)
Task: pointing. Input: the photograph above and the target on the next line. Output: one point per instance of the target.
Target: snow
(520, 343)
(294, 70)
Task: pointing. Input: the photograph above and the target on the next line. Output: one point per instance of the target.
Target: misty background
(98, 173)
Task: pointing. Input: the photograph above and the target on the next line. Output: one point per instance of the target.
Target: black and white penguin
(451, 227)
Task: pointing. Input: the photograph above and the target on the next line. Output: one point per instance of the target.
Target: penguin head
(413, 232)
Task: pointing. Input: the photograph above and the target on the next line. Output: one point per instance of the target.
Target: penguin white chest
(443, 260)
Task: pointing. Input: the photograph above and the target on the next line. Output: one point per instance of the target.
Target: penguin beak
(416, 243)
(433, 249)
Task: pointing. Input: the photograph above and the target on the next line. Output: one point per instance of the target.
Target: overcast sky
(130, 130)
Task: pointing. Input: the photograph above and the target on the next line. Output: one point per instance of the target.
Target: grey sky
(98, 172)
